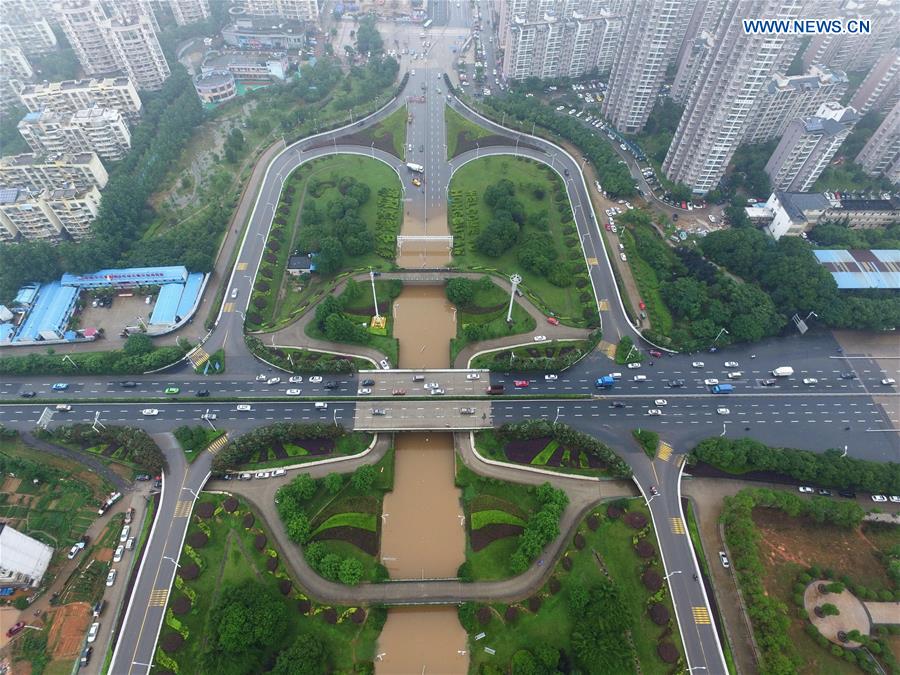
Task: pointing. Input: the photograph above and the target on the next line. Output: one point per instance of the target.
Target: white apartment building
(856, 52)
(298, 10)
(70, 96)
(651, 27)
(37, 172)
(48, 215)
(808, 145)
(82, 22)
(189, 11)
(14, 63)
(138, 51)
(23, 560)
(881, 155)
(99, 130)
(698, 40)
(881, 88)
(787, 98)
(127, 9)
(25, 28)
(732, 76)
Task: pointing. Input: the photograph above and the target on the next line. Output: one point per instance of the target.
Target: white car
(894, 499)
(623, 256)
(732, 364)
(805, 489)
(879, 498)
(261, 378)
(273, 380)
(296, 379)
(120, 551)
(736, 375)
(810, 380)
(698, 364)
(364, 391)
(660, 402)
(263, 474)
(473, 376)
(315, 379)
(111, 577)
(551, 378)
(712, 382)
(293, 392)
(540, 338)
(889, 382)
(244, 407)
(234, 293)
(654, 411)
(149, 412)
(437, 392)
(432, 385)
(724, 559)
(384, 364)
(639, 378)
(94, 630)
(723, 411)
(633, 366)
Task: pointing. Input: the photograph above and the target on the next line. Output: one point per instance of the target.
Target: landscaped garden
(779, 543)
(235, 609)
(129, 446)
(542, 443)
(390, 133)
(507, 524)
(194, 440)
(345, 210)
(337, 520)
(461, 133)
(547, 357)
(481, 315)
(522, 223)
(305, 360)
(287, 443)
(605, 609)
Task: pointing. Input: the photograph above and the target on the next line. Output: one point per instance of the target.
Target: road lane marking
(677, 525)
(665, 451)
(158, 597)
(701, 615)
(183, 508)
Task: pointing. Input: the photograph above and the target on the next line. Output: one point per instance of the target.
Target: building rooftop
(265, 25)
(797, 203)
(892, 204)
(131, 276)
(50, 312)
(862, 269)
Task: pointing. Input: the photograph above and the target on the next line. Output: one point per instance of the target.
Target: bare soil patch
(364, 540)
(483, 536)
(70, 623)
(103, 554)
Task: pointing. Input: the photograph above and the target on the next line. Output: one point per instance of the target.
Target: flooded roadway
(424, 323)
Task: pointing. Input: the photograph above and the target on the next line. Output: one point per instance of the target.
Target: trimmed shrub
(555, 585)
(171, 642)
(359, 616)
(568, 563)
(189, 572)
(659, 614)
(248, 521)
(272, 563)
(205, 510)
(579, 541)
(259, 541)
(303, 606)
(181, 605)
(667, 652)
(652, 580)
(644, 548)
(613, 512)
(197, 539)
(330, 616)
(534, 603)
(593, 522)
(230, 505)
(483, 615)
(511, 614)
(635, 520)
(285, 586)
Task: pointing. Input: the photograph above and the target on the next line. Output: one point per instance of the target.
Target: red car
(656, 354)
(521, 383)
(552, 320)
(399, 392)
(15, 630)
(642, 305)
(608, 227)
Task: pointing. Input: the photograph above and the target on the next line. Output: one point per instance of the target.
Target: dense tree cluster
(541, 528)
(788, 272)
(132, 360)
(603, 621)
(135, 445)
(240, 450)
(827, 469)
(192, 439)
(838, 235)
(368, 39)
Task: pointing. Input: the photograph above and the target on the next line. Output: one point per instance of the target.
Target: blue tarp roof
(167, 304)
(878, 268)
(189, 295)
(26, 294)
(6, 331)
(50, 312)
(133, 276)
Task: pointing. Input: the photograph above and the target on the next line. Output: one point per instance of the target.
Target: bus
(427, 24)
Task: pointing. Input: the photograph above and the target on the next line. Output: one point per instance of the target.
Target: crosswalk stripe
(242, 266)
(229, 307)
(677, 525)
(701, 615)
(158, 597)
(604, 305)
(592, 261)
(218, 444)
(665, 451)
(183, 509)
(198, 357)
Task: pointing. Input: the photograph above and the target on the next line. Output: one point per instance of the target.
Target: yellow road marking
(607, 348)
(183, 509)
(677, 525)
(218, 444)
(604, 305)
(198, 357)
(701, 615)
(242, 266)
(665, 451)
(592, 261)
(158, 597)
(229, 307)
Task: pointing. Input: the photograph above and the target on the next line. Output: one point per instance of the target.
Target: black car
(128, 384)
(203, 392)
(617, 404)
(566, 172)
(142, 476)
(849, 494)
(86, 655)
(157, 483)
(676, 383)
(768, 383)
(823, 492)
(848, 375)
(331, 385)
(368, 382)
(28, 394)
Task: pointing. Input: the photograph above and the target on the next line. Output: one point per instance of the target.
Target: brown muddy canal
(423, 535)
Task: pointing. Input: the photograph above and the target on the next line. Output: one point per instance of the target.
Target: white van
(321, 405)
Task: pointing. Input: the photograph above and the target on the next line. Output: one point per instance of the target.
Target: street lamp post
(514, 280)
(556, 419)
(172, 560)
(724, 330)
(670, 574)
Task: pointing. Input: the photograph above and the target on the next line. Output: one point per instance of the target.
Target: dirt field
(10, 485)
(104, 555)
(70, 623)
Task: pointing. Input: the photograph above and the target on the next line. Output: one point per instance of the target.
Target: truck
(605, 382)
(783, 371)
(412, 166)
(495, 389)
(722, 388)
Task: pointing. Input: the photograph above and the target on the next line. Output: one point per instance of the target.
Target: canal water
(423, 534)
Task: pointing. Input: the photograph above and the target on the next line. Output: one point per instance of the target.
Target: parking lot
(120, 312)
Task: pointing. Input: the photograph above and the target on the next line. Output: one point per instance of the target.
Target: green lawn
(349, 444)
(489, 517)
(527, 176)
(551, 356)
(364, 521)
(553, 624)
(544, 455)
(230, 557)
(395, 125)
(456, 125)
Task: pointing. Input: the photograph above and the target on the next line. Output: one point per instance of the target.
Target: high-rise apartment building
(856, 52)
(70, 96)
(99, 130)
(82, 21)
(138, 51)
(807, 146)
(189, 11)
(787, 98)
(881, 155)
(48, 214)
(35, 173)
(651, 28)
(557, 38)
(129, 9)
(23, 24)
(731, 78)
(14, 63)
(299, 10)
(881, 88)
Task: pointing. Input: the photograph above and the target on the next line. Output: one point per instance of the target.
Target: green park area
(481, 313)
(390, 133)
(337, 520)
(546, 357)
(235, 608)
(460, 131)
(194, 440)
(605, 608)
(512, 215)
(345, 210)
(550, 446)
(287, 443)
(128, 450)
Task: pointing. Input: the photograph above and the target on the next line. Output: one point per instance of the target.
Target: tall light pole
(724, 330)
(515, 280)
(374, 295)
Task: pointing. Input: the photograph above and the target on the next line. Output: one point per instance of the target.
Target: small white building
(23, 560)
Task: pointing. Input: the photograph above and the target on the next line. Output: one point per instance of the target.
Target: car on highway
(473, 376)
(769, 382)
(633, 366)
(111, 577)
(723, 411)
(438, 392)
(654, 411)
(539, 338)
(550, 377)
(28, 394)
(384, 364)
(805, 489)
(416, 182)
(711, 382)
(368, 382)
(149, 412)
(552, 320)
(849, 375)
(639, 378)
(879, 498)
(431, 385)
(467, 411)
(888, 382)
(63, 407)
(724, 559)
(617, 404)
(60, 386)
(655, 353)
(810, 380)
(698, 364)
(15, 629)
(172, 390)
(273, 380)
(293, 392)
(128, 384)
(676, 384)
(732, 364)
(295, 379)
(521, 384)
(203, 393)
(315, 379)
(234, 293)
(380, 412)
(243, 407)
(93, 632)
(398, 392)
(364, 391)
(616, 376)
(262, 378)
(654, 491)
(660, 402)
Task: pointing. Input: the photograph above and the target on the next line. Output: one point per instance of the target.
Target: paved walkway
(93, 463)
(583, 496)
(853, 615)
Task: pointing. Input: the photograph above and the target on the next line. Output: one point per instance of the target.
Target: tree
(828, 609)
(334, 482)
(329, 257)
(298, 528)
(303, 486)
(307, 656)
(368, 39)
(138, 344)
(834, 587)
(246, 618)
(350, 572)
(460, 291)
(363, 478)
